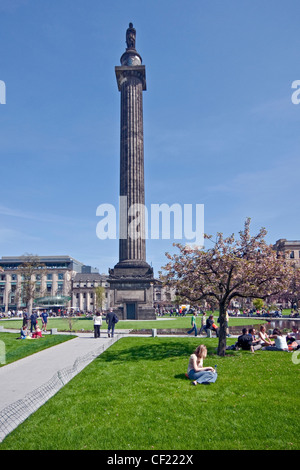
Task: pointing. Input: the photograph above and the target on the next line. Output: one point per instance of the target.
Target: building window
(60, 276)
(292, 255)
(49, 277)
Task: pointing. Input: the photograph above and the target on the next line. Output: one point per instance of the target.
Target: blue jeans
(203, 376)
(193, 329)
(112, 328)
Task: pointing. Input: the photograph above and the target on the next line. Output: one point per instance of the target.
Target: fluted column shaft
(132, 165)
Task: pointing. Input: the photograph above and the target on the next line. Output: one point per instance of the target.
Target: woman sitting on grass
(264, 338)
(37, 333)
(196, 372)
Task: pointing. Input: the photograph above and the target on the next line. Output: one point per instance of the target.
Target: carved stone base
(131, 292)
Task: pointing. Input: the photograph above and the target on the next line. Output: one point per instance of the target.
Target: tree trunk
(222, 330)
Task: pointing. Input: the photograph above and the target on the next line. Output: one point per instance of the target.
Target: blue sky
(220, 128)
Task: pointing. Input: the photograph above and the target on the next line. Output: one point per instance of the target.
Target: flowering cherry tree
(246, 267)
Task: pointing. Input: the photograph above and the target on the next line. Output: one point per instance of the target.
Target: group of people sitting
(26, 334)
(198, 374)
(248, 341)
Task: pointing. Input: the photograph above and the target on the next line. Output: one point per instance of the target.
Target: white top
(193, 357)
(280, 342)
(97, 320)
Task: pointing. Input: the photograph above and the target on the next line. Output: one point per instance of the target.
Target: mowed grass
(84, 324)
(135, 396)
(15, 349)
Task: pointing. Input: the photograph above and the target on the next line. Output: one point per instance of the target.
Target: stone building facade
(290, 248)
(53, 282)
(83, 291)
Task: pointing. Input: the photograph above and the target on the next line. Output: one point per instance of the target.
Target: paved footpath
(28, 383)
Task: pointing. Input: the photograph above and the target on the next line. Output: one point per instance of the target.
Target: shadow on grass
(181, 377)
(154, 352)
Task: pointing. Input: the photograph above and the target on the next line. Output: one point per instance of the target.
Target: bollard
(209, 333)
(154, 332)
(53, 331)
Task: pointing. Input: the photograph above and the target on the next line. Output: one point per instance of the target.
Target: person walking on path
(194, 326)
(203, 323)
(111, 320)
(97, 324)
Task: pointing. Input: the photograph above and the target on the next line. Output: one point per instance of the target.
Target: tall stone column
(131, 278)
(131, 79)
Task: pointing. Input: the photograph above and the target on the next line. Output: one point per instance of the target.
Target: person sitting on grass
(196, 372)
(280, 341)
(255, 342)
(294, 336)
(245, 341)
(37, 333)
(264, 338)
(24, 332)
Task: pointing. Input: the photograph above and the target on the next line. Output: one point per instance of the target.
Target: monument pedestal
(131, 291)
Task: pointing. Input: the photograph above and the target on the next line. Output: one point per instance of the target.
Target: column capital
(124, 72)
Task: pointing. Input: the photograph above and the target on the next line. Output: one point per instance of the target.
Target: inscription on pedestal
(132, 295)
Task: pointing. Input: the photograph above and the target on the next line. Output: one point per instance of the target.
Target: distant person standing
(25, 319)
(44, 316)
(111, 320)
(33, 321)
(97, 324)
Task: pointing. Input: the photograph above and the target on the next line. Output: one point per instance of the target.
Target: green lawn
(78, 324)
(18, 348)
(136, 396)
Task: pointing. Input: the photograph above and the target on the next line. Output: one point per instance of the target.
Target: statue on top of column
(130, 37)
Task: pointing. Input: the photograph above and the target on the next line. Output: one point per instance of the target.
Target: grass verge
(84, 324)
(136, 396)
(15, 349)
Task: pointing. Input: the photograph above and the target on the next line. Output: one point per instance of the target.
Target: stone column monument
(131, 280)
